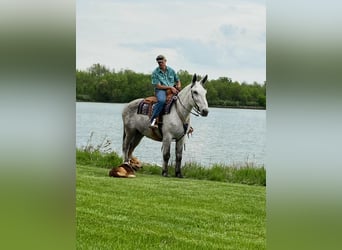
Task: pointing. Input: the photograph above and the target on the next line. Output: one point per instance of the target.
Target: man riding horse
(163, 78)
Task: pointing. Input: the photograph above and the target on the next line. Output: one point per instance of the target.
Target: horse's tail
(123, 137)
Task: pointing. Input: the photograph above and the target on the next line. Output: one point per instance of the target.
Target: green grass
(154, 212)
(98, 159)
(245, 174)
(218, 172)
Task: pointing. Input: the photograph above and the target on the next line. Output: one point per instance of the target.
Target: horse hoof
(165, 174)
(179, 175)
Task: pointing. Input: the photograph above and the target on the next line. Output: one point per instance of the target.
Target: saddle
(147, 105)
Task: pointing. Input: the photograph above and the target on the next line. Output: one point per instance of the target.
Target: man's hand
(178, 87)
(174, 90)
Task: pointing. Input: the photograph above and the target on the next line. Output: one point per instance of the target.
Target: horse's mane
(185, 89)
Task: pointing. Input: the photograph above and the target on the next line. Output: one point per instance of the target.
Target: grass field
(243, 174)
(154, 212)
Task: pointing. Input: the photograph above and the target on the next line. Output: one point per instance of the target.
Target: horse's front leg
(179, 154)
(166, 156)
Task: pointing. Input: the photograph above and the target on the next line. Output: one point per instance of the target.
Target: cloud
(219, 37)
(231, 30)
(211, 53)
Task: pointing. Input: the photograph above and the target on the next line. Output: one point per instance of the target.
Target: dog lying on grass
(126, 170)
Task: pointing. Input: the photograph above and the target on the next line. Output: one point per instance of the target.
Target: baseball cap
(160, 57)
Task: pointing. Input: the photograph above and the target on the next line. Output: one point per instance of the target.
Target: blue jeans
(161, 97)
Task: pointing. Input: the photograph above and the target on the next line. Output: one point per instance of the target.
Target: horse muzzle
(204, 112)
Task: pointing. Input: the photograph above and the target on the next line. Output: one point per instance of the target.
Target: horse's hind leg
(134, 143)
(166, 156)
(126, 142)
(179, 154)
(131, 139)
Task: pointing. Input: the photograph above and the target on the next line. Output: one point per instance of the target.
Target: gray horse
(175, 124)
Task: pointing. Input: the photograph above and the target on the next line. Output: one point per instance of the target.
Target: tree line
(100, 84)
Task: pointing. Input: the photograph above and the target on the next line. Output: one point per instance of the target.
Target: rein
(180, 115)
(197, 111)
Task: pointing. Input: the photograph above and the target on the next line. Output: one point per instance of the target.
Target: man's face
(161, 63)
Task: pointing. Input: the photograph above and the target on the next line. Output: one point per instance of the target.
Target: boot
(153, 124)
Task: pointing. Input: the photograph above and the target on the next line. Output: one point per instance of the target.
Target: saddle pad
(146, 107)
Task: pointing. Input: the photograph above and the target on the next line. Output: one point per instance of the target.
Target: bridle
(196, 108)
(195, 111)
(186, 122)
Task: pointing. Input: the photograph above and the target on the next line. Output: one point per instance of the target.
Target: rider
(163, 78)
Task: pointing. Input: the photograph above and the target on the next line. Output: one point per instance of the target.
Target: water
(228, 136)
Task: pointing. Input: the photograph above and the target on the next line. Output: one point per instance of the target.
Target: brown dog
(135, 163)
(126, 170)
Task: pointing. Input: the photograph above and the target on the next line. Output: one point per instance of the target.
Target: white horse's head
(198, 93)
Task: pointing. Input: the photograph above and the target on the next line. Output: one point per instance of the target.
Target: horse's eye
(195, 92)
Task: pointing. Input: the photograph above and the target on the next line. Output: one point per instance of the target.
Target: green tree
(100, 84)
(98, 70)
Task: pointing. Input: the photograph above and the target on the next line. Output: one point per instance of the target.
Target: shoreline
(210, 106)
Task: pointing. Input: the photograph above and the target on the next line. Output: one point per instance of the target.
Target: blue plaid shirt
(169, 78)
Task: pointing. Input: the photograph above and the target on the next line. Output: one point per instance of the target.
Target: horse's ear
(194, 79)
(204, 79)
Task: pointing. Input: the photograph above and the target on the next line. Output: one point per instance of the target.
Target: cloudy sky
(218, 38)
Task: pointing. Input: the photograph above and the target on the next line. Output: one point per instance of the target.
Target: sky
(221, 38)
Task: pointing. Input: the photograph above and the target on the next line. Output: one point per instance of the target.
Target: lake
(228, 136)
